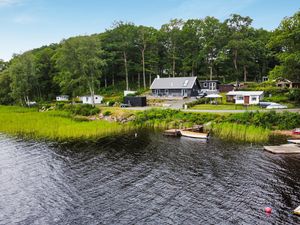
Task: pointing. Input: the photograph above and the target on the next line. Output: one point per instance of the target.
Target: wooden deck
(172, 132)
(283, 149)
(297, 211)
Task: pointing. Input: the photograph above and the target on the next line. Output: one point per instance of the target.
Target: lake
(150, 179)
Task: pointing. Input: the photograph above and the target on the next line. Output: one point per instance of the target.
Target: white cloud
(8, 2)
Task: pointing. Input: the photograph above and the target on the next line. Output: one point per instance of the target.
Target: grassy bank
(245, 127)
(54, 125)
(64, 126)
(240, 132)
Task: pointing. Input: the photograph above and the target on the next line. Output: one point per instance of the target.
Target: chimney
(158, 77)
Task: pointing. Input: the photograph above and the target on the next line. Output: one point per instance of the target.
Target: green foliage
(277, 98)
(5, 89)
(270, 120)
(81, 109)
(129, 56)
(198, 102)
(171, 118)
(55, 125)
(79, 61)
(107, 113)
(294, 95)
(239, 132)
(285, 43)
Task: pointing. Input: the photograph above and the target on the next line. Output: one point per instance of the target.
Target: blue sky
(27, 24)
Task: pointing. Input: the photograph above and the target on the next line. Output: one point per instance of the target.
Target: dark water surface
(147, 180)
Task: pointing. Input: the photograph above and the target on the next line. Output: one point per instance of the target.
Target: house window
(254, 99)
(96, 97)
(86, 99)
(204, 84)
(240, 97)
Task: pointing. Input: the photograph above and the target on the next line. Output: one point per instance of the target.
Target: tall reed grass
(54, 125)
(240, 132)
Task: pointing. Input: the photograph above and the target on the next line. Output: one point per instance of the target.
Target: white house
(245, 97)
(61, 98)
(88, 99)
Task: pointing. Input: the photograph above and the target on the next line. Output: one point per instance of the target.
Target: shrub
(198, 102)
(294, 95)
(82, 109)
(107, 113)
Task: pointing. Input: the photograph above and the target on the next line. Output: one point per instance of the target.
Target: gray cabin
(175, 87)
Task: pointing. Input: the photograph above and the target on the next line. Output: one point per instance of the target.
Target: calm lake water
(150, 179)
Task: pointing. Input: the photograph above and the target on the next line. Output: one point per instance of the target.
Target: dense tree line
(132, 55)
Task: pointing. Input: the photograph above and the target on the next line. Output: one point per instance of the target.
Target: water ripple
(146, 180)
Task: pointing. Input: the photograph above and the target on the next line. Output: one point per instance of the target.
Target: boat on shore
(296, 131)
(196, 131)
(193, 134)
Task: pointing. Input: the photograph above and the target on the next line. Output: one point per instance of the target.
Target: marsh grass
(240, 132)
(54, 125)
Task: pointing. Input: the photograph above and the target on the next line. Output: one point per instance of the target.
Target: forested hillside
(131, 56)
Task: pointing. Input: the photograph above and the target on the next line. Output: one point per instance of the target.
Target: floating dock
(172, 132)
(283, 149)
(297, 211)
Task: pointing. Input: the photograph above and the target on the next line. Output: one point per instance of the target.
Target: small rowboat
(296, 131)
(297, 211)
(296, 141)
(193, 134)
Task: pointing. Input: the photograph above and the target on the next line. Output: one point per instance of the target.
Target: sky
(28, 24)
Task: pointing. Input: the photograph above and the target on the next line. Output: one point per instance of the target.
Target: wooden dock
(297, 211)
(283, 149)
(172, 132)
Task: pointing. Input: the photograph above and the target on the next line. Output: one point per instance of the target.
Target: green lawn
(224, 107)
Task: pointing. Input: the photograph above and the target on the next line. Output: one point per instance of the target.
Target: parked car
(201, 94)
(265, 104)
(276, 106)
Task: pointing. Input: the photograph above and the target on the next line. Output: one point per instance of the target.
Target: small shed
(62, 98)
(245, 97)
(87, 99)
(135, 101)
(285, 83)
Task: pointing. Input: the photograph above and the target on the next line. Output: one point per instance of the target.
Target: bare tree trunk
(139, 80)
(150, 82)
(235, 59)
(126, 70)
(192, 68)
(105, 81)
(113, 80)
(144, 72)
(92, 92)
(210, 73)
(245, 73)
(174, 65)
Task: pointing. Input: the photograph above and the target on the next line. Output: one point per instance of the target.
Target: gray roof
(174, 83)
